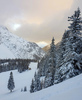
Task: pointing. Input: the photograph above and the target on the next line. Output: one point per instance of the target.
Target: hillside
(46, 48)
(70, 89)
(5, 53)
(19, 47)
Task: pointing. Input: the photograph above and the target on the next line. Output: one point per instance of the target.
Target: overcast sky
(38, 20)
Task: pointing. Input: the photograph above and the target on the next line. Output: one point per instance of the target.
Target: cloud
(39, 20)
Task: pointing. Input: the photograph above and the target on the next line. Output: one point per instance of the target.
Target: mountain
(46, 48)
(70, 89)
(19, 47)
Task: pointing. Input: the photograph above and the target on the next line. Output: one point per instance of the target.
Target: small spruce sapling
(25, 89)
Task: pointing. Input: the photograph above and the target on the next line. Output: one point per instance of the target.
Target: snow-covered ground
(5, 53)
(70, 89)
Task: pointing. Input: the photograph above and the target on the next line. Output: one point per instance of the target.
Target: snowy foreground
(70, 89)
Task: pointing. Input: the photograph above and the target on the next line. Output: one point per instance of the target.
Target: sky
(38, 20)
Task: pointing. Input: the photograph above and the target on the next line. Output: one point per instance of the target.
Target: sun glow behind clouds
(39, 20)
(15, 26)
(42, 44)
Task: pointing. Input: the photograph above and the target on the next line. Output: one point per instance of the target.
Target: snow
(5, 53)
(18, 46)
(70, 89)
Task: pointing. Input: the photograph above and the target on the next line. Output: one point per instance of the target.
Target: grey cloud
(53, 23)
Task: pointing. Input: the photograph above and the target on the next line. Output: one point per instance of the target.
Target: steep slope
(5, 53)
(70, 89)
(18, 46)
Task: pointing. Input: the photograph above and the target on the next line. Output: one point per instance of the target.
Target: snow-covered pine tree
(70, 49)
(63, 56)
(38, 65)
(35, 76)
(76, 25)
(42, 84)
(21, 90)
(76, 39)
(32, 88)
(49, 77)
(37, 82)
(43, 64)
(25, 89)
(11, 84)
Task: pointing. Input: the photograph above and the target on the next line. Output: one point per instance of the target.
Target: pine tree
(11, 84)
(42, 84)
(38, 65)
(35, 76)
(38, 82)
(49, 77)
(32, 88)
(76, 25)
(25, 89)
(70, 48)
(21, 90)
(53, 53)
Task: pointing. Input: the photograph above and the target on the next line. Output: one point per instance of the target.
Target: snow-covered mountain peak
(18, 46)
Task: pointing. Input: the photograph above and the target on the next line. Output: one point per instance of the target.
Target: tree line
(12, 64)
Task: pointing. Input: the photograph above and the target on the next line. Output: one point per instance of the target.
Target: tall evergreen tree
(76, 25)
(38, 82)
(35, 82)
(32, 88)
(11, 84)
(70, 49)
(53, 53)
(49, 77)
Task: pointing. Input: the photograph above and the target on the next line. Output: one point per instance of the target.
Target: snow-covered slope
(70, 89)
(5, 53)
(18, 46)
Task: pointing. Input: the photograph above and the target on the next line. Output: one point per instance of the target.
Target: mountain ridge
(18, 46)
